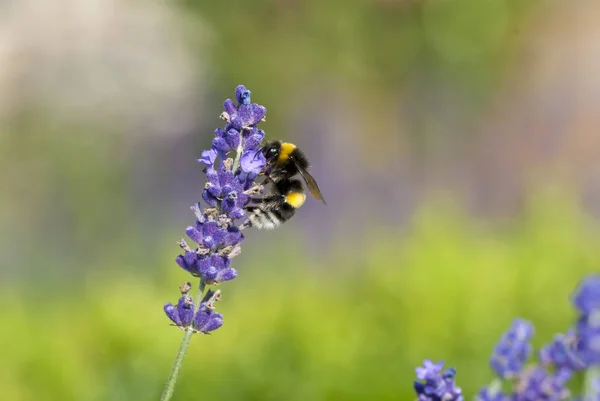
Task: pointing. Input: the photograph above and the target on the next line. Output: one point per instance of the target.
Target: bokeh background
(456, 142)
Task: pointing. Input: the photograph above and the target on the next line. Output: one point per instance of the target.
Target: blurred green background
(455, 141)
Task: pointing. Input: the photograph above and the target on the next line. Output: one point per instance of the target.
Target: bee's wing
(313, 188)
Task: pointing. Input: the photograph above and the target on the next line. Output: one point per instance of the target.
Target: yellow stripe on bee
(286, 150)
(295, 199)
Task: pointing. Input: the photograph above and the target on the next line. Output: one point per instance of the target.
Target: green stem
(185, 342)
(592, 374)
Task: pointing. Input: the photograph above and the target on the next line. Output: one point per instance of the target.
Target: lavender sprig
(216, 233)
(565, 356)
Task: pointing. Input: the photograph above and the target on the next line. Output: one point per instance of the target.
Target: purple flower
(537, 384)
(588, 334)
(513, 349)
(209, 234)
(233, 237)
(188, 262)
(248, 115)
(587, 296)
(216, 234)
(183, 314)
(207, 320)
(252, 138)
(429, 369)
(562, 352)
(587, 301)
(224, 188)
(215, 269)
(437, 386)
(226, 140)
(253, 161)
(208, 158)
(242, 95)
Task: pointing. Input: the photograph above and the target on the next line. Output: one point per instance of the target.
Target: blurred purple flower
(513, 349)
(537, 384)
(587, 300)
(562, 352)
(437, 386)
(587, 296)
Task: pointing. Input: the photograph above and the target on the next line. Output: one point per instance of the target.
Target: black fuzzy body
(286, 168)
(273, 210)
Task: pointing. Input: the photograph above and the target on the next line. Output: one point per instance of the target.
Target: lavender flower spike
(437, 386)
(587, 301)
(232, 166)
(513, 350)
(562, 352)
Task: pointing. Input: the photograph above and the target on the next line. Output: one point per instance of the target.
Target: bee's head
(271, 151)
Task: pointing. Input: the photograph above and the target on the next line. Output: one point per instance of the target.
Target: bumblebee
(284, 161)
(278, 207)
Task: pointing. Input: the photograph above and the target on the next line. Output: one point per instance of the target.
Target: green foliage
(445, 289)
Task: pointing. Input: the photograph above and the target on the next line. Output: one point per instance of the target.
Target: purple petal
(208, 157)
(213, 178)
(226, 274)
(217, 261)
(172, 313)
(587, 295)
(233, 138)
(187, 262)
(225, 177)
(242, 199)
(253, 139)
(234, 236)
(194, 234)
(253, 161)
(249, 115)
(185, 309)
(206, 269)
(209, 198)
(181, 262)
(215, 321)
(201, 319)
(242, 95)
(246, 179)
(229, 192)
(214, 190)
(209, 228)
(229, 107)
(208, 242)
(219, 236)
(228, 205)
(221, 145)
(190, 258)
(237, 213)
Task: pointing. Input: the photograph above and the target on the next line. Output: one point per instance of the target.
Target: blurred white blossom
(123, 62)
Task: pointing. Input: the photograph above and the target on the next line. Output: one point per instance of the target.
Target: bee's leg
(256, 200)
(255, 190)
(266, 180)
